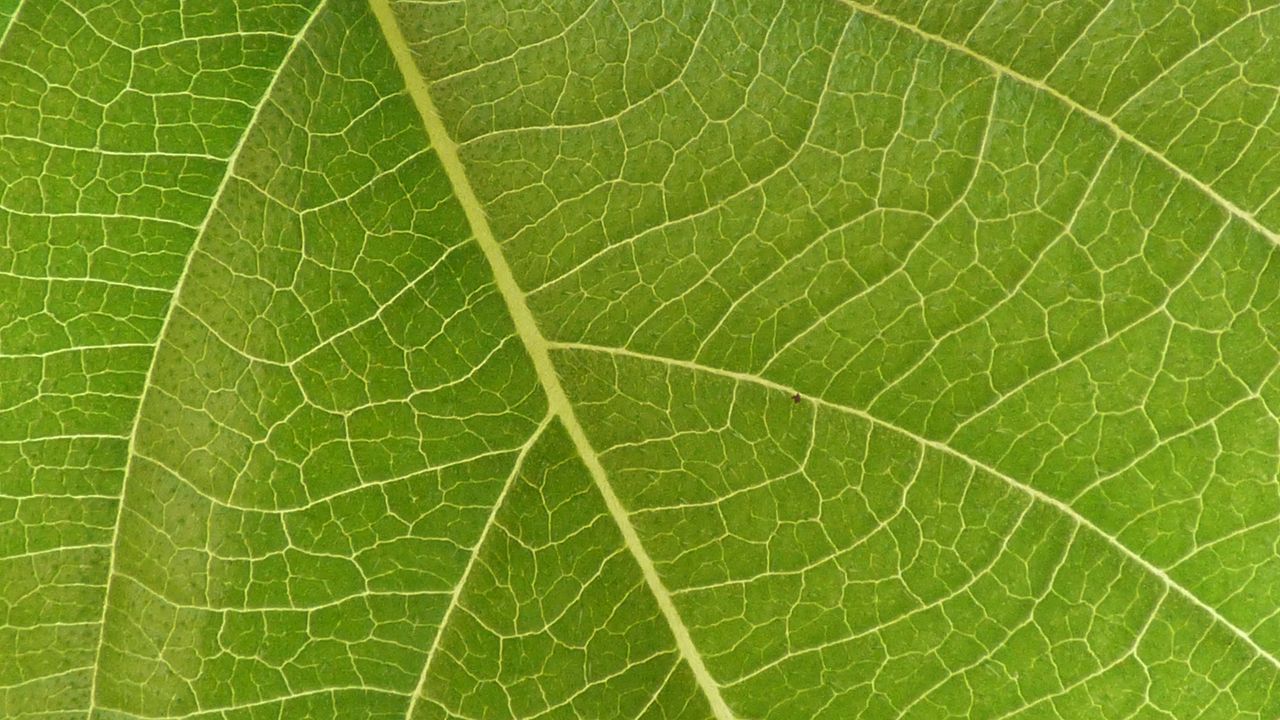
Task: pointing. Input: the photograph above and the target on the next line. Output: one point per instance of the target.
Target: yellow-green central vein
(537, 347)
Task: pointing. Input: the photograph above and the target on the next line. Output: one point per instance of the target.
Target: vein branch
(1090, 113)
(943, 447)
(456, 593)
(131, 452)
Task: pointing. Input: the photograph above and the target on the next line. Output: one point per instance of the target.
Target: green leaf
(645, 359)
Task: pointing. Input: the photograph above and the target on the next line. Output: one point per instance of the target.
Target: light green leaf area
(639, 359)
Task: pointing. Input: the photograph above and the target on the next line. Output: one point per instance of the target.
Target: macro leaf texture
(639, 359)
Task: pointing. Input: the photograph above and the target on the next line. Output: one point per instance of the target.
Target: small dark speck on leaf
(796, 398)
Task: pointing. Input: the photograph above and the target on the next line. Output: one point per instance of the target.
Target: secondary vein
(943, 447)
(164, 328)
(516, 467)
(1090, 113)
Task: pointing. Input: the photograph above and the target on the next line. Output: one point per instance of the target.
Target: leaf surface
(639, 359)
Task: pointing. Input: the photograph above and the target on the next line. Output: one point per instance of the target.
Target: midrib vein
(941, 447)
(131, 451)
(537, 347)
(1088, 112)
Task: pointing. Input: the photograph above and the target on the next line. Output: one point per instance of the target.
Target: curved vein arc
(537, 347)
(131, 451)
(1074, 105)
(942, 447)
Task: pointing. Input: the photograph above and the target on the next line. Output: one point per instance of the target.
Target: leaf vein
(1093, 115)
(944, 448)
